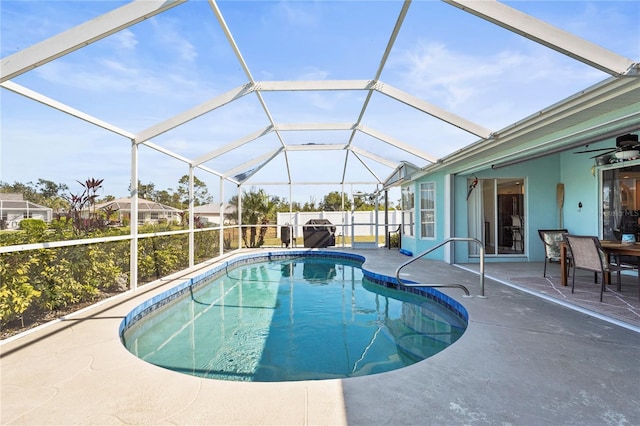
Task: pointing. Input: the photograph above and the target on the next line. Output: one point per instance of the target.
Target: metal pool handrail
(460, 286)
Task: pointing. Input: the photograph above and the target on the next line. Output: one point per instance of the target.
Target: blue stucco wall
(580, 185)
(540, 206)
(541, 210)
(415, 244)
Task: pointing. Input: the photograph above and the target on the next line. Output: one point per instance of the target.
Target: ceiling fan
(626, 147)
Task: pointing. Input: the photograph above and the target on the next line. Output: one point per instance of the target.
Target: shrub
(33, 226)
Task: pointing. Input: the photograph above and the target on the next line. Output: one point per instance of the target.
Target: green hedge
(46, 280)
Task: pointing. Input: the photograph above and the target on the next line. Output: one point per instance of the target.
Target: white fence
(364, 222)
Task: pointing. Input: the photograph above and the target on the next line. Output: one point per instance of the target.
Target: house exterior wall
(581, 185)
(541, 175)
(13, 209)
(544, 154)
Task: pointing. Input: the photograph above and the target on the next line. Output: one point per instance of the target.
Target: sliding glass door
(496, 215)
(620, 202)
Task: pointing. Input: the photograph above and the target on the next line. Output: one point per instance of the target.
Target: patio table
(615, 248)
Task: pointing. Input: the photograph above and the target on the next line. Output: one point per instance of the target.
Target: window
(154, 216)
(408, 204)
(427, 210)
(620, 205)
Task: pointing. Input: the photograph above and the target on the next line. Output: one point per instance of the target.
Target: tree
(28, 191)
(310, 206)
(200, 193)
(86, 199)
(50, 189)
(147, 191)
(364, 202)
(53, 195)
(333, 202)
(168, 197)
(282, 205)
(257, 209)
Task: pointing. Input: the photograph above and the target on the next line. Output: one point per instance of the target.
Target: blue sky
(167, 64)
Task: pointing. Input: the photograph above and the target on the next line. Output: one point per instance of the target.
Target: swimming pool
(287, 316)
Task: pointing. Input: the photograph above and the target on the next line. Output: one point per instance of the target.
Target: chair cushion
(605, 260)
(552, 244)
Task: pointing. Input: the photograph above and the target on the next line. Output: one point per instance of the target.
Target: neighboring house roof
(16, 202)
(213, 209)
(143, 205)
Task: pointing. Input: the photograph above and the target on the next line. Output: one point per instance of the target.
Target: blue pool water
(300, 318)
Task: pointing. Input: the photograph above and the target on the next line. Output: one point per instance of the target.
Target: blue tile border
(182, 288)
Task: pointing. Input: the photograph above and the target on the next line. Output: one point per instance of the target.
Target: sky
(167, 64)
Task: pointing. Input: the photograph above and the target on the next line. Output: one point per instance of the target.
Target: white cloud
(125, 39)
(492, 89)
(290, 13)
(455, 76)
(172, 41)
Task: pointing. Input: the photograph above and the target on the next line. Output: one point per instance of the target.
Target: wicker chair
(551, 238)
(588, 255)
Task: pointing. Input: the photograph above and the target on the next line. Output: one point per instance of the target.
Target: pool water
(304, 318)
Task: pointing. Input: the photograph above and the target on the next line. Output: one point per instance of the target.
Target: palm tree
(257, 208)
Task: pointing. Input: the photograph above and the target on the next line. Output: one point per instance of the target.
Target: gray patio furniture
(551, 239)
(587, 254)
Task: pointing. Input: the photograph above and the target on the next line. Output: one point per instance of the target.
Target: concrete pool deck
(523, 360)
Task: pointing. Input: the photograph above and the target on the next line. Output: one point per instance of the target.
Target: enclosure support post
(133, 220)
(191, 220)
(222, 209)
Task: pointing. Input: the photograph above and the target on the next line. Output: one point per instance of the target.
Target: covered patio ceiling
(304, 123)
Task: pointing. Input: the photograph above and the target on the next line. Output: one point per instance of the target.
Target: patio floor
(620, 307)
(523, 360)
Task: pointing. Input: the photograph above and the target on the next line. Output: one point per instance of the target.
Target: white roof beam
(311, 183)
(81, 35)
(245, 67)
(398, 144)
(210, 170)
(242, 141)
(166, 152)
(549, 35)
(193, 113)
(230, 39)
(374, 157)
(434, 111)
(316, 147)
(366, 166)
(296, 85)
(262, 160)
(315, 126)
(383, 61)
(20, 90)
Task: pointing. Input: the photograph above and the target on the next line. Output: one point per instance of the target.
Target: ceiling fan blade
(595, 150)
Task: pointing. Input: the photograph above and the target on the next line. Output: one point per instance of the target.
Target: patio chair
(551, 238)
(516, 232)
(588, 255)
